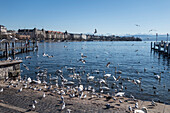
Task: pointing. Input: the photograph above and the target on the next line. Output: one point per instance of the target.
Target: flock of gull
(72, 84)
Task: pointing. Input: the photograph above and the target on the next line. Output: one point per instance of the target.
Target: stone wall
(10, 71)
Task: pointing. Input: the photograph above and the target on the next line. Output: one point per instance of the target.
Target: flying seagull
(152, 30)
(95, 31)
(137, 25)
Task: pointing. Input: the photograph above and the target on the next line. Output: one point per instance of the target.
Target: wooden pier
(161, 47)
(12, 47)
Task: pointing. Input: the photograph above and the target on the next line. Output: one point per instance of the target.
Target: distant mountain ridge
(146, 37)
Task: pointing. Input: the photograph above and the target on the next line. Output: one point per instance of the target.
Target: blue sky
(83, 16)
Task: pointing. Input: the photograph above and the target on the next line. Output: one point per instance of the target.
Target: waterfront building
(23, 37)
(35, 34)
(4, 34)
(60, 35)
(51, 35)
(84, 37)
(3, 29)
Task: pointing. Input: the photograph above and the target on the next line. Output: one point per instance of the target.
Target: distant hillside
(151, 37)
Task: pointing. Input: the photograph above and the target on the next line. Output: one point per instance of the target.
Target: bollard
(151, 45)
(6, 50)
(168, 50)
(13, 50)
(159, 47)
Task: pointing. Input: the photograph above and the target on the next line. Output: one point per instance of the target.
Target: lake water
(128, 57)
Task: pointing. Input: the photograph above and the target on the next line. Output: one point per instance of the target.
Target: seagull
(63, 106)
(108, 106)
(29, 80)
(133, 97)
(153, 103)
(95, 31)
(80, 88)
(83, 61)
(144, 69)
(85, 96)
(137, 25)
(138, 81)
(45, 86)
(120, 94)
(114, 77)
(35, 102)
(118, 78)
(20, 90)
(45, 55)
(33, 106)
(1, 90)
(90, 78)
(136, 105)
(108, 64)
(130, 108)
(158, 77)
(69, 110)
(152, 30)
(71, 96)
(120, 101)
(143, 110)
(62, 98)
(107, 75)
(43, 95)
(82, 56)
(25, 67)
(28, 57)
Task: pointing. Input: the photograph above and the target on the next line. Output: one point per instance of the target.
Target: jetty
(15, 46)
(161, 47)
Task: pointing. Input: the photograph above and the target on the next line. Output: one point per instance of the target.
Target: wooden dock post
(6, 50)
(33, 45)
(13, 50)
(26, 46)
(168, 51)
(154, 45)
(164, 48)
(9, 47)
(151, 45)
(21, 47)
(159, 47)
(36, 45)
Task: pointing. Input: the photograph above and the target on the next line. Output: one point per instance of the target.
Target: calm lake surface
(128, 57)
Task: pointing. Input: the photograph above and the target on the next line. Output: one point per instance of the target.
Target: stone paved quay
(12, 101)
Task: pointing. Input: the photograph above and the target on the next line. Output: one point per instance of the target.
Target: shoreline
(52, 102)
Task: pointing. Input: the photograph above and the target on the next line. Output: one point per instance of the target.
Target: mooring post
(6, 50)
(154, 45)
(26, 45)
(33, 44)
(159, 47)
(164, 48)
(36, 44)
(151, 45)
(168, 50)
(13, 50)
(21, 47)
